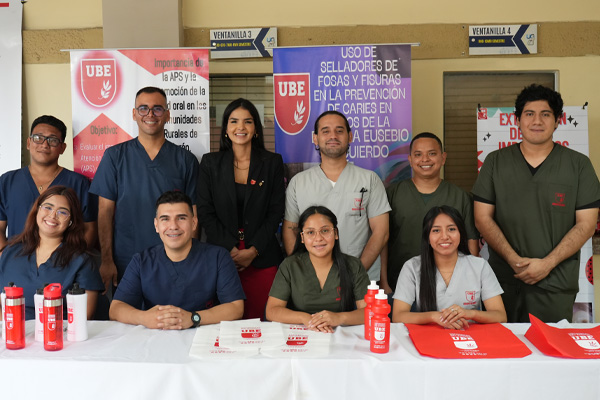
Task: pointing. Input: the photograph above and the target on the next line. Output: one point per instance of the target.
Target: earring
(255, 135)
(70, 223)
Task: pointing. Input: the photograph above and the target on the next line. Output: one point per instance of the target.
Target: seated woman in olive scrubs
(317, 285)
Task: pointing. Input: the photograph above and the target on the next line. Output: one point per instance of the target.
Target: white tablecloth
(131, 362)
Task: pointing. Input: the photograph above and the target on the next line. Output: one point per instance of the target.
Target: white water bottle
(38, 300)
(77, 314)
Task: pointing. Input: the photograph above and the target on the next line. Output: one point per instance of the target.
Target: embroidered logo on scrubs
(559, 200)
(99, 80)
(339, 294)
(358, 206)
(292, 101)
(585, 340)
(470, 296)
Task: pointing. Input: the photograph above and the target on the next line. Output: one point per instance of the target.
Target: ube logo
(470, 295)
(98, 80)
(251, 333)
(297, 340)
(51, 322)
(463, 342)
(292, 101)
(585, 341)
(482, 113)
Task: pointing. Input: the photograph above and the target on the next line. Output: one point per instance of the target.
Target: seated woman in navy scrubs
(51, 249)
(318, 285)
(446, 285)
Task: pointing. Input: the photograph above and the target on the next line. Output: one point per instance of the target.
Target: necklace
(41, 187)
(235, 164)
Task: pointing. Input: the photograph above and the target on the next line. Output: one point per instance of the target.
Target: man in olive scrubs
(536, 204)
(411, 199)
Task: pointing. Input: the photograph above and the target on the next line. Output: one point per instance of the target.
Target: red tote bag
(479, 341)
(567, 343)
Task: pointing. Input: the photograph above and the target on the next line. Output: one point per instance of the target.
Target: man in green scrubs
(412, 198)
(536, 204)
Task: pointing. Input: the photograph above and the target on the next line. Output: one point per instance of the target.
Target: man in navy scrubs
(20, 188)
(180, 283)
(131, 176)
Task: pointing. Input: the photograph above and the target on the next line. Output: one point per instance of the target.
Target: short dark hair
(150, 90)
(426, 135)
(258, 140)
(538, 92)
(331, 112)
(52, 121)
(174, 196)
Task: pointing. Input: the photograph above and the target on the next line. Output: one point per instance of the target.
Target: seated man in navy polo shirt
(180, 283)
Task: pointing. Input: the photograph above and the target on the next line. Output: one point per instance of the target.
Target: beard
(334, 152)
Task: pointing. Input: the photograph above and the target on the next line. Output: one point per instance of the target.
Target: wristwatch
(195, 319)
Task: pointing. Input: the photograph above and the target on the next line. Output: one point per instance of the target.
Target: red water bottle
(53, 317)
(369, 299)
(14, 318)
(380, 324)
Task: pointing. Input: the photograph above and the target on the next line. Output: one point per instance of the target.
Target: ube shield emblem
(98, 81)
(292, 101)
(585, 341)
(463, 342)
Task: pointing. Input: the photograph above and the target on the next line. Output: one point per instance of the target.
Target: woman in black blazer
(241, 202)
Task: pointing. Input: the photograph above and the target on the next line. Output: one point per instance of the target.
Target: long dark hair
(346, 287)
(427, 286)
(258, 141)
(73, 241)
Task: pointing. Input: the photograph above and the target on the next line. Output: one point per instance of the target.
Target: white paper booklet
(206, 344)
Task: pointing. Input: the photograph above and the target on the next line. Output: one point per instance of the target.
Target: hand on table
(454, 317)
(168, 317)
(323, 321)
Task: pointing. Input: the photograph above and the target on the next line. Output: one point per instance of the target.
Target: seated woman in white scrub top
(445, 285)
